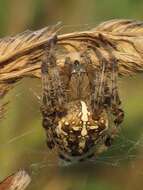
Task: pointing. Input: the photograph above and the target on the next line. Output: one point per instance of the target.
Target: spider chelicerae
(81, 107)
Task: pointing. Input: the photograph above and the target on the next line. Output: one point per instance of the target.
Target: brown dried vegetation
(18, 181)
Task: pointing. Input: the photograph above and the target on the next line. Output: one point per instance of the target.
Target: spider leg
(110, 94)
(98, 94)
(53, 96)
(115, 100)
(112, 99)
(105, 99)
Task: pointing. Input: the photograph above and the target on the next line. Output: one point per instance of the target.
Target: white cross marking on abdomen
(84, 112)
(84, 117)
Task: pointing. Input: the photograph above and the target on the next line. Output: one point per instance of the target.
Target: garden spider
(80, 105)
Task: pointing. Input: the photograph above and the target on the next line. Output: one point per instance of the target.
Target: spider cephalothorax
(79, 104)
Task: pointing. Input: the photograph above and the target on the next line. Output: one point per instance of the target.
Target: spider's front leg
(53, 96)
(100, 89)
(115, 99)
(112, 102)
(106, 97)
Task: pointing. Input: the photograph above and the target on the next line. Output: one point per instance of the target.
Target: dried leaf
(130, 27)
(17, 181)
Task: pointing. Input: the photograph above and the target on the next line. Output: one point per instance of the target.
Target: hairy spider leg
(116, 103)
(53, 95)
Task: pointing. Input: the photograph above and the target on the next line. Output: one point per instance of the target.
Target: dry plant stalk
(17, 181)
(20, 55)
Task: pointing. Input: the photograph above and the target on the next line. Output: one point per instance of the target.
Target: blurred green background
(22, 139)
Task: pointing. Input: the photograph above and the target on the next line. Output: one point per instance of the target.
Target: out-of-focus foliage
(22, 139)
